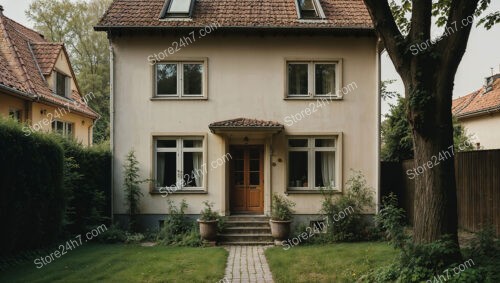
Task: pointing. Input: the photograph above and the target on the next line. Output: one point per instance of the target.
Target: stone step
(246, 223)
(245, 238)
(247, 230)
(247, 218)
(245, 243)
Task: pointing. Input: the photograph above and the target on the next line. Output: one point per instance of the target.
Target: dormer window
(178, 9)
(310, 9)
(62, 85)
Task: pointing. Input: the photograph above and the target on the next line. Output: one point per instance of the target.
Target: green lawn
(343, 262)
(126, 263)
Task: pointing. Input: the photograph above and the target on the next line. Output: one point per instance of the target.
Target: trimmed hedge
(50, 188)
(32, 200)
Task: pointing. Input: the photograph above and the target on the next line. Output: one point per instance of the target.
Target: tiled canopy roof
(244, 123)
(25, 58)
(340, 14)
(478, 102)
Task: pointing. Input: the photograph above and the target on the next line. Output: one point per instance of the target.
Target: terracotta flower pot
(280, 229)
(208, 229)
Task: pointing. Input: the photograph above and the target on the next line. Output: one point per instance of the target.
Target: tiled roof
(340, 14)
(25, 58)
(246, 123)
(46, 55)
(478, 102)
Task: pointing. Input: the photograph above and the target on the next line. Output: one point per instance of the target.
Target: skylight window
(178, 8)
(310, 9)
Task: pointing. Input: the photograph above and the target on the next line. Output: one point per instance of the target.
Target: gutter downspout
(379, 49)
(112, 120)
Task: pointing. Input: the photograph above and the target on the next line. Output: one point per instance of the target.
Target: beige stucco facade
(246, 77)
(484, 130)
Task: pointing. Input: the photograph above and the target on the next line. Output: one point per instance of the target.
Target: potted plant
(208, 222)
(281, 216)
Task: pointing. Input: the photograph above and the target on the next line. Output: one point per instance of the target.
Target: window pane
(324, 143)
(193, 79)
(254, 178)
(325, 169)
(325, 79)
(297, 79)
(167, 143)
(297, 168)
(60, 126)
(193, 143)
(297, 142)
(166, 79)
(179, 6)
(70, 129)
(60, 84)
(308, 9)
(166, 172)
(193, 169)
(255, 165)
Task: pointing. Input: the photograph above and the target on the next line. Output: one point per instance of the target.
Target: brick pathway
(247, 264)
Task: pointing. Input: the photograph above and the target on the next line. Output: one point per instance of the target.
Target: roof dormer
(177, 9)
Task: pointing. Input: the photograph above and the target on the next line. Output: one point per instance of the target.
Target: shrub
(32, 204)
(113, 235)
(207, 214)
(345, 222)
(132, 190)
(178, 229)
(281, 208)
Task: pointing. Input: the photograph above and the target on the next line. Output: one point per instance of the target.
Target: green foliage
(132, 189)
(32, 198)
(178, 229)
(72, 22)
(397, 140)
(422, 262)
(112, 235)
(281, 208)
(207, 214)
(343, 214)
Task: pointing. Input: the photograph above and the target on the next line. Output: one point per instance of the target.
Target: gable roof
(243, 14)
(479, 102)
(26, 57)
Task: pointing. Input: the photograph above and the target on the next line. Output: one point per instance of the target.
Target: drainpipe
(112, 120)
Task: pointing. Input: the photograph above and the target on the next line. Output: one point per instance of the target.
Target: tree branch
(387, 31)
(456, 35)
(421, 20)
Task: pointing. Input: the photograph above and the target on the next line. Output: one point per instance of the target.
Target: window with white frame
(310, 9)
(313, 79)
(179, 163)
(63, 128)
(180, 79)
(313, 163)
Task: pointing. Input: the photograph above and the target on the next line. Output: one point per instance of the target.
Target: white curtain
(197, 163)
(328, 164)
(160, 169)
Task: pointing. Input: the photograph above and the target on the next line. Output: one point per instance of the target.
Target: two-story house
(38, 86)
(232, 101)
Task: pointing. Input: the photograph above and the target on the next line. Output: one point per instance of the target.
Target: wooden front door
(247, 184)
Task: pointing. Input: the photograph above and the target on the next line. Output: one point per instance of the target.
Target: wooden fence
(478, 187)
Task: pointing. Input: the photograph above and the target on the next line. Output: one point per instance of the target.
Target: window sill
(314, 98)
(174, 98)
(308, 191)
(179, 192)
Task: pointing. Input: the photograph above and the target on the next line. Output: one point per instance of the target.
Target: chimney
(1, 10)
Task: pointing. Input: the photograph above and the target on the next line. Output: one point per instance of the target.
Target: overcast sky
(482, 53)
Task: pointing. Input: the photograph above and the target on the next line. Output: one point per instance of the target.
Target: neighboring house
(236, 100)
(479, 113)
(38, 86)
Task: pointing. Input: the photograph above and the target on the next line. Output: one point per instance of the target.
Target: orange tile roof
(478, 102)
(340, 14)
(26, 57)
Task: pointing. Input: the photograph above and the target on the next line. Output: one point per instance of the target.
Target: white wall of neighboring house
(246, 78)
(485, 130)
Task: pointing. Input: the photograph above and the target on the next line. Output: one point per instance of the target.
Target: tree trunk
(429, 94)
